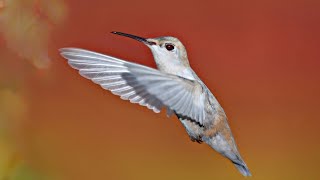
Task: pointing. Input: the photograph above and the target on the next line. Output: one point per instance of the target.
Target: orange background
(261, 60)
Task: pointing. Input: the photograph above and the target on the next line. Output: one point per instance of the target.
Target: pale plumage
(139, 84)
(174, 86)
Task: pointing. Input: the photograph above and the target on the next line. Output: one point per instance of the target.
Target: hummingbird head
(167, 51)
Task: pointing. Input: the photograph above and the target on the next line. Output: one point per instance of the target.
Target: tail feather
(228, 149)
(243, 169)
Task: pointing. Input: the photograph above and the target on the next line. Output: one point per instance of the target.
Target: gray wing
(140, 84)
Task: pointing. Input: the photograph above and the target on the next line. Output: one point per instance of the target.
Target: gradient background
(261, 59)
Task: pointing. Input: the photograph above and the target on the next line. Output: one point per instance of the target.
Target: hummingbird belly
(194, 130)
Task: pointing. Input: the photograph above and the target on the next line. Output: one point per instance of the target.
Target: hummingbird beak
(141, 39)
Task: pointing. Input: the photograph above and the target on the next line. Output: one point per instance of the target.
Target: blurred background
(261, 59)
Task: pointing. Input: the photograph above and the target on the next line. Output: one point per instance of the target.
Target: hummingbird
(173, 86)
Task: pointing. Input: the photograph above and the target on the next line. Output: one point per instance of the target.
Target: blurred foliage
(6, 159)
(11, 109)
(25, 26)
(23, 172)
(12, 165)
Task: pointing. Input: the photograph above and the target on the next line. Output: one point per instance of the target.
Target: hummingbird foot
(198, 140)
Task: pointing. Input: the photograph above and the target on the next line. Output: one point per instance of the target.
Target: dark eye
(169, 47)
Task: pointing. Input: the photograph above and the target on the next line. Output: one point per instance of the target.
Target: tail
(229, 151)
(242, 167)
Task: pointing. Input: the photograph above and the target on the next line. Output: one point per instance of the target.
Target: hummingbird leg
(198, 140)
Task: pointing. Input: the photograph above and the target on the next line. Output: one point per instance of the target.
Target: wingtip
(64, 49)
(60, 50)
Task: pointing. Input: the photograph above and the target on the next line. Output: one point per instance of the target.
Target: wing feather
(140, 84)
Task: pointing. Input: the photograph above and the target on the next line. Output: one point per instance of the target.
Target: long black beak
(141, 39)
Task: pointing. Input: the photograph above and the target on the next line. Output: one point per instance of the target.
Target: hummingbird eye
(169, 47)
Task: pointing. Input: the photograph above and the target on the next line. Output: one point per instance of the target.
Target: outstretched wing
(140, 84)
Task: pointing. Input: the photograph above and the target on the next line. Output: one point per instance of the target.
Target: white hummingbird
(174, 86)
